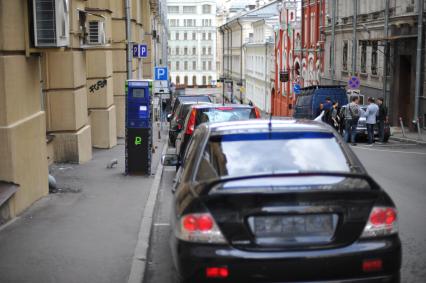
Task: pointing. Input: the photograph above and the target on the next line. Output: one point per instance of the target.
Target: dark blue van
(309, 99)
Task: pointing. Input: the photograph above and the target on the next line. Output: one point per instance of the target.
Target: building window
(210, 65)
(194, 51)
(177, 66)
(185, 51)
(210, 51)
(374, 58)
(210, 80)
(204, 66)
(177, 50)
(204, 36)
(194, 80)
(194, 36)
(207, 23)
(177, 36)
(185, 80)
(189, 10)
(312, 28)
(194, 65)
(168, 50)
(204, 80)
(210, 35)
(207, 9)
(345, 56)
(177, 80)
(364, 57)
(185, 65)
(173, 9)
(204, 51)
(185, 36)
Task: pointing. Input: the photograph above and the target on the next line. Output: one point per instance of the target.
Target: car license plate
(318, 227)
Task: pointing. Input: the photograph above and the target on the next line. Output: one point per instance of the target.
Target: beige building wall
(57, 103)
(23, 157)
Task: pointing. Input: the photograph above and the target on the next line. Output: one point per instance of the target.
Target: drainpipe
(385, 55)
(419, 61)
(354, 40)
(241, 59)
(266, 73)
(333, 40)
(129, 40)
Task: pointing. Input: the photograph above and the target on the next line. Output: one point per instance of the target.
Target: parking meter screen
(139, 92)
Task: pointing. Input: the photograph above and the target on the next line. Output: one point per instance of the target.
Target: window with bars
(374, 58)
(363, 57)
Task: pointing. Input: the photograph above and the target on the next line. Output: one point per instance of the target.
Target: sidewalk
(87, 232)
(409, 136)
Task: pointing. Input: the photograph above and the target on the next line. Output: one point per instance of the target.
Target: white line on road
(392, 151)
(161, 224)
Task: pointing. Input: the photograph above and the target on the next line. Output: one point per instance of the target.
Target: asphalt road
(400, 168)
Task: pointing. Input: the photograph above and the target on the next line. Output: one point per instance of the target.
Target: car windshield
(224, 114)
(247, 154)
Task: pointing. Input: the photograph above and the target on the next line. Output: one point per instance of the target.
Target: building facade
(259, 64)
(383, 72)
(62, 85)
(192, 42)
(288, 57)
(236, 32)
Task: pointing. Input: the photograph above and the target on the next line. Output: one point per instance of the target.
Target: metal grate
(94, 32)
(45, 20)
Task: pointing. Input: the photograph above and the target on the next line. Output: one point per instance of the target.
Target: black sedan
(279, 201)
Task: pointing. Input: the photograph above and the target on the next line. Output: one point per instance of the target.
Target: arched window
(204, 80)
(194, 80)
(185, 80)
(177, 80)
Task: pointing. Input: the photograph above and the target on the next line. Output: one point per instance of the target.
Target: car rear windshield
(276, 152)
(223, 114)
(200, 98)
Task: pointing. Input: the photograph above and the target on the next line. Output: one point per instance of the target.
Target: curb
(407, 140)
(140, 256)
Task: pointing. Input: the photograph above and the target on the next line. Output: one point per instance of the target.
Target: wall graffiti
(98, 85)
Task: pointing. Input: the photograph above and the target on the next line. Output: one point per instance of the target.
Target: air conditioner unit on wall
(51, 23)
(96, 33)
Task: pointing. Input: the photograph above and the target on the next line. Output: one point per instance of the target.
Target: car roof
(217, 105)
(276, 125)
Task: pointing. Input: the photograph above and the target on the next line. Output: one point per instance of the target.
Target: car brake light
(191, 122)
(370, 265)
(225, 108)
(199, 227)
(382, 221)
(257, 112)
(217, 272)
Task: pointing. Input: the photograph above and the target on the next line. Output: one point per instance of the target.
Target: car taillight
(257, 112)
(224, 108)
(370, 265)
(191, 122)
(382, 221)
(217, 272)
(199, 227)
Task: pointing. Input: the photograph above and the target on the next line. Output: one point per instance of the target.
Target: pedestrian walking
(382, 118)
(335, 119)
(352, 115)
(370, 115)
(327, 110)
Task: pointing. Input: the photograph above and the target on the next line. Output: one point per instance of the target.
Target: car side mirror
(169, 117)
(170, 160)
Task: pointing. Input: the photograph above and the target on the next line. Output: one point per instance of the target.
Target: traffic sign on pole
(161, 74)
(354, 82)
(140, 51)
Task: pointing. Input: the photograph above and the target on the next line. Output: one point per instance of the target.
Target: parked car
(178, 120)
(187, 98)
(212, 113)
(279, 201)
(361, 128)
(310, 98)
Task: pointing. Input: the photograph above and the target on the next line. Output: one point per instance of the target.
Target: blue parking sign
(161, 74)
(143, 50)
(135, 50)
(296, 88)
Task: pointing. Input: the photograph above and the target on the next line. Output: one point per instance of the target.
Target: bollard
(402, 126)
(418, 130)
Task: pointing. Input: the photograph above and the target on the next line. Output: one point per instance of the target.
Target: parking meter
(138, 127)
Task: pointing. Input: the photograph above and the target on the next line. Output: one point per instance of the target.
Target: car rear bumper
(331, 265)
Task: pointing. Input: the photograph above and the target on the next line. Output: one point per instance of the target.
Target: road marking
(161, 224)
(392, 151)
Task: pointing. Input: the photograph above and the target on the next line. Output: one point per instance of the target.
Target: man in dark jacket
(382, 118)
